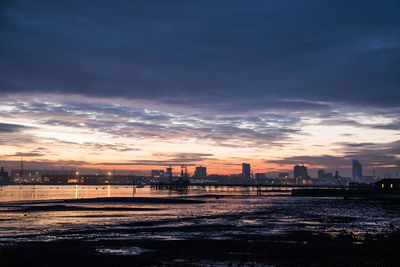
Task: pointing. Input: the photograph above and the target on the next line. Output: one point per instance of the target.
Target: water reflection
(223, 218)
(44, 192)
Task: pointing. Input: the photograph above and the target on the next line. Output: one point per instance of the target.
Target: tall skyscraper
(300, 173)
(169, 173)
(200, 172)
(357, 169)
(245, 170)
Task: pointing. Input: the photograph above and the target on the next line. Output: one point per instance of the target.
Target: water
(46, 192)
(236, 213)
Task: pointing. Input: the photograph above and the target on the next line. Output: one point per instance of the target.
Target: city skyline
(299, 170)
(208, 85)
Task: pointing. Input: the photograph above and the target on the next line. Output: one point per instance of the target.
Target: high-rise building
(200, 172)
(245, 170)
(357, 170)
(169, 173)
(321, 174)
(300, 173)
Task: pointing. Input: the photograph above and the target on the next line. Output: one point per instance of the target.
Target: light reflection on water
(236, 214)
(46, 192)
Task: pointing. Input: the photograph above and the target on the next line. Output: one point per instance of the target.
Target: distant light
(77, 173)
(109, 173)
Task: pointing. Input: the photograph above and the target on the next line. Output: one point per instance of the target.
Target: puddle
(124, 251)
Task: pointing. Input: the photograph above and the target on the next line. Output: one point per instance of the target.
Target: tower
(300, 173)
(169, 173)
(357, 169)
(21, 172)
(245, 171)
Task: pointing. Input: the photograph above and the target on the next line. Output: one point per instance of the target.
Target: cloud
(27, 154)
(119, 147)
(259, 129)
(371, 155)
(11, 128)
(14, 134)
(233, 56)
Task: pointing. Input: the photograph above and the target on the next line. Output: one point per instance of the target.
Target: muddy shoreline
(291, 249)
(247, 231)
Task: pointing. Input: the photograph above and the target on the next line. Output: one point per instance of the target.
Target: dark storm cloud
(229, 55)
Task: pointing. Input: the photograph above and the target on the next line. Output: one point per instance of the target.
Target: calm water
(238, 212)
(44, 192)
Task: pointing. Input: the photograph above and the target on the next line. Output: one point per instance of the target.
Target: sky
(140, 85)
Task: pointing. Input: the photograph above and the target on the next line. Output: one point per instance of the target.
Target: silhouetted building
(283, 175)
(245, 170)
(169, 174)
(38, 175)
(321, 174)
(261, 176)
(157, 173)
(300, 173)
(357, 170)
(3, 176)
(200, 172)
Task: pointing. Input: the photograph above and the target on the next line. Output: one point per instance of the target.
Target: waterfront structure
(30, 175)
(157, 173)
(301, 174)
(200, 172)
(283, 175)
(245, 171)
(357, 170)
(388, 185)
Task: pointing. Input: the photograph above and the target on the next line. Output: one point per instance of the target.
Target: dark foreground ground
(239, 231)
(292, 249)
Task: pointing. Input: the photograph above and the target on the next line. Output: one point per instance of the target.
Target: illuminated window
(391, 185)
(383, 185)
